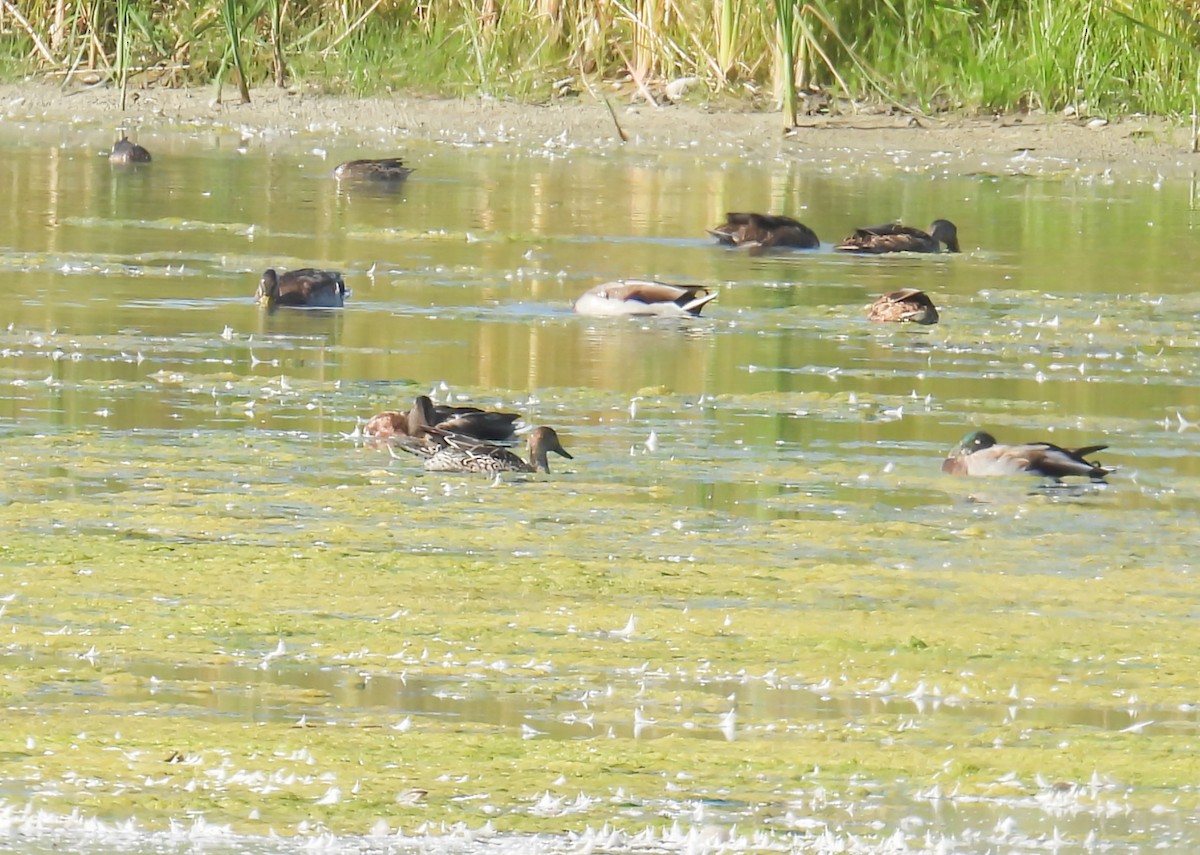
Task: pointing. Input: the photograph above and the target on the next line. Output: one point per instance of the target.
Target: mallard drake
(979, 454)
(760, 232)
(893, 237)
(125, 152)
(304, 287)
(456, 453)
(424, 415)
(907, 304)
(383, 169)
(644, 297)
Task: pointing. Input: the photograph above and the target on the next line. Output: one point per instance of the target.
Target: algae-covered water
(750, 614)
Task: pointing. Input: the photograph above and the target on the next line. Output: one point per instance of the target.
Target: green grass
(993, 55)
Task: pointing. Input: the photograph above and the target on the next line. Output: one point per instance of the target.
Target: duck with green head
(304, 287)
(893, 237)
(757, 233)
(979, 454)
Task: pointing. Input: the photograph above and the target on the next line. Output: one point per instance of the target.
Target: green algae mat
(383, 644)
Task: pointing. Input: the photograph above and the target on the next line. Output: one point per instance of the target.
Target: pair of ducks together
(386, 169)
(757, 233)
(464, 439)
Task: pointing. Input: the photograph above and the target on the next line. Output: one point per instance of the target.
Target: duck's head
(268, 289)
(975, 441)
(543, 440)
(946, 232)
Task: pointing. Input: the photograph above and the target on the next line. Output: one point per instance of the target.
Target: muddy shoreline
(1131, 147)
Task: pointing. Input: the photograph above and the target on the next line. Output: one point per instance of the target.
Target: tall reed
(123, 48)
(229, 20)
(785, 16)
(1095, 55)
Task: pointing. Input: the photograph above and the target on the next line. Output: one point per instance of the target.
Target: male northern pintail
(644, 297)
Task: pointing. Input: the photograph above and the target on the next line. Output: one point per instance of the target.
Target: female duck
(390, 169)
(759, 232)
(305, 287)
(644, 297)
(979, 454)
(125, 152)
(906, 305)
(456, 453)
(470, 422)
(893, 237)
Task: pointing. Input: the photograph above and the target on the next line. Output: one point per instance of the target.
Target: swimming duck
(759, 232)
(456, 453)
(424, 415)
(383, 169)
(644, 297)
(907, 304)
(893, 237)
(126, 152)
(979, 454)
(304, 287)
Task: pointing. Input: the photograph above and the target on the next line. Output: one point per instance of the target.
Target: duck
(759, 232)
(382, 169)
(126, 152)
(644, 297)
(907, 304)
(304, 287)
(893, 237)
(457, 453)
(425, 417)
(979, 454)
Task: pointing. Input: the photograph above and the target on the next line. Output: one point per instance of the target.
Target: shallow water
(145, 399)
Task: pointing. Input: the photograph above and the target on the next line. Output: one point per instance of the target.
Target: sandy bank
(1038, 145)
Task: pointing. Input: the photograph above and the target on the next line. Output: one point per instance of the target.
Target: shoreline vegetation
(920, 57)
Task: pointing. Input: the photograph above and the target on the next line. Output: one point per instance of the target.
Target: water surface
(145, 399)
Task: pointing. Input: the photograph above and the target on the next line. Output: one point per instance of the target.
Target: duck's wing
(492, 427)
(1055, 462)
(890, 237)
(906, 304)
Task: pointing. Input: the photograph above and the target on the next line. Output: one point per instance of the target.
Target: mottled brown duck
(304, 287)
(424, 415)
(456, 453)
(386, 169)
(908, 305)
(125, 152)
(761, 232)
(893, 237)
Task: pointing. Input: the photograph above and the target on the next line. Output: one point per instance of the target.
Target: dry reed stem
(28, 28)
(350, 29)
